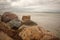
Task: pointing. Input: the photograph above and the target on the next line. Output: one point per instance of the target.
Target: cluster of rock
(11, 28)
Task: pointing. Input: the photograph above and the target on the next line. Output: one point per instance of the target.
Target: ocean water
(49, 21)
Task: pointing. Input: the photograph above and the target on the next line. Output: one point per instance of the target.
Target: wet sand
(49, 21)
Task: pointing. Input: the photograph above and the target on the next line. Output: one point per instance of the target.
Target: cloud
(38, 5)
(24, 3)
(34, 5)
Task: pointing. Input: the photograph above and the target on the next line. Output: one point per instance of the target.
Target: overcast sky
(30, 5)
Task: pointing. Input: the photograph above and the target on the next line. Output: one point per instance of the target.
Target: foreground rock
(11, 33)
(36, 33)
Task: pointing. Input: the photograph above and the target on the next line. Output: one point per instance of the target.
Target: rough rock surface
(29, 23)
(14, 24)
(7, 16)
(36, 33)
(11, 33)
(4, 36)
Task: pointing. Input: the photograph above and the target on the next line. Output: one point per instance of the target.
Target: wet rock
(14, 24)
(35, 33)
(26, 20)
(12, 33)
(8, 16)
(29, 23)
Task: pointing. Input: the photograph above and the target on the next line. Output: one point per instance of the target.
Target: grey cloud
(34, 6)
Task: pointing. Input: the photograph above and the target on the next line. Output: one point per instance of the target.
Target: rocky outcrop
(11, 28)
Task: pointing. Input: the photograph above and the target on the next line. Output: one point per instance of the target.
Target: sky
(30, 5)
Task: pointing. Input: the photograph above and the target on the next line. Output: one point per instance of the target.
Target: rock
(14, 24)
(29, 23)
(35, 33)
(47, 36)
(26, 20)
(4, 36)
(8, 16)
(4, 26)
(55, 38)
(11, 33)
(0, 18)
(30, 33)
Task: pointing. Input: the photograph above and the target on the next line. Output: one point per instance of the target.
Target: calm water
(49, 21)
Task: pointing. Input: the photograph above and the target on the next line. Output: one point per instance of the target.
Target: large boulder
(30, 33)
(35, 33)
(14, 24)
(8, 16)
